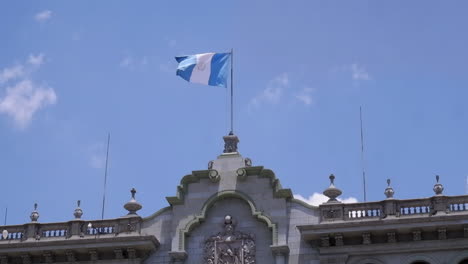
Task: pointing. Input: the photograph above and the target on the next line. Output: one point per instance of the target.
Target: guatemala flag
(207, 68)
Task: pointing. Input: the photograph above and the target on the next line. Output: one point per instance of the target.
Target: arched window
(465, 261)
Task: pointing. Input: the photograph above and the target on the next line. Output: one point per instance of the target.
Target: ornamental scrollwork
(230, 246)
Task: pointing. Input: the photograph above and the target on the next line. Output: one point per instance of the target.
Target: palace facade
(237, 213)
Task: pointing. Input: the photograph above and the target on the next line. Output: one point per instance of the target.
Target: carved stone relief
(230, 246)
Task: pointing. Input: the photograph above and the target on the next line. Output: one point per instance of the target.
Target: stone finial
(389, 192)
(230, 143)
(35, 214)
(78, 212)
(4, 234)
(132, 206)
(332, 192)
(438, 187)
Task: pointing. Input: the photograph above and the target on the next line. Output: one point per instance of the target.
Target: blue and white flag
(207, 68)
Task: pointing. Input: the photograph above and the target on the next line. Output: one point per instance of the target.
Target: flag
(207, 68)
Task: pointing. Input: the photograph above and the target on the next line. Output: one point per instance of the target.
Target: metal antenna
(466, 185)
(105, 177)
(362, 156)
(6, 214)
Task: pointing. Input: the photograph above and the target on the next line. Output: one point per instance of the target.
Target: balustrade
(393, 207)
(67, 230)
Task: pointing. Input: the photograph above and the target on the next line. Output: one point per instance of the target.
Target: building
(237, 213)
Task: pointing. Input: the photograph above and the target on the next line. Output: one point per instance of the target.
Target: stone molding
(198, 219)
(282, 250)
(182, 188)
(196, 176)
(420, 257)
(397, 248)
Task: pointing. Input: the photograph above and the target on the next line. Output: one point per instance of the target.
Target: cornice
(260, 171)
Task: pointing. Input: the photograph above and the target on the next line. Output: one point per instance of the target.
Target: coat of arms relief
(230, 246)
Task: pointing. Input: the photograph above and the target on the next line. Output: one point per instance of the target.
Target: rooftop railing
(439, 204)
(71, 229)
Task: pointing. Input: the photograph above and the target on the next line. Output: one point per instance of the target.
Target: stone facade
(236, 213)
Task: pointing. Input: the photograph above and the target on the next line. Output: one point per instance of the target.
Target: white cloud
(11, 73)
(127, 61)
(36, 60)
(273, 92)
(23, 99)
(43, 16)
(97, 156)
(359, 73)
(97, 161)
(130, 62)
(318, 198)
(305, 96)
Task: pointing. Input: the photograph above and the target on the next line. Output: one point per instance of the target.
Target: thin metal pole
(232, 92)
(105, 177)
(6, 214)
(362, 156)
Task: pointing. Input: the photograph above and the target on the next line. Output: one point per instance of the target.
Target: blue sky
(70, 72)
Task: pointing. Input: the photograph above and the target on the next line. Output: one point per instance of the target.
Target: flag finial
(230, 143)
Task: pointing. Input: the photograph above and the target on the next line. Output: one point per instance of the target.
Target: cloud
(11, 73)
(97, 155)
(317, 198)
(43, 16)
(126, 61)
(36, 60)
(274, 91)
(305, 96)
(23, 98)
(359, 73)
(130, 62)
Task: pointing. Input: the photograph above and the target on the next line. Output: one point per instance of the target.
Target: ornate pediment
(230, 246)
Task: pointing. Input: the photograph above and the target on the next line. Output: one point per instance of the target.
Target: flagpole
(232, 93)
